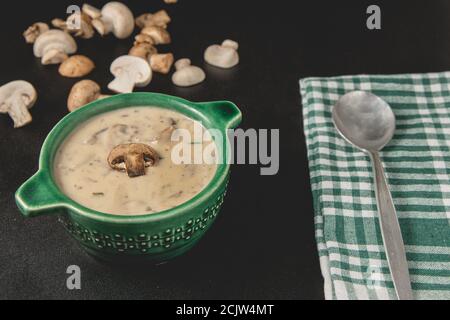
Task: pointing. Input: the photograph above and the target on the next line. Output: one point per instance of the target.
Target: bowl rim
(59, 134)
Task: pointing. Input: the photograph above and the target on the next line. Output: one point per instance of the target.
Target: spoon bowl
(364, 120)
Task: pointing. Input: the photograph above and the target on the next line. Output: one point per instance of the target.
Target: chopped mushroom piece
(85, 31)
(54, 46)
(129, 71)
(133, 158)
(158, 34)
(161, 62)
(158, 19)
(116, 18)
(34, 31)
(91, 11)
(186, 74)
(143, 38)
(16, 98)
(170, 1)
(60, 24)
(223, 56)
(76, 66)
(143, 50)
(82, 93)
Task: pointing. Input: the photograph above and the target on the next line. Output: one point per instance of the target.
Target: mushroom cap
(121, 18)
(76, 66)
(186, 74)
(136, 67)
(54, 40)
(19, 88)
(223, 56)
(82, 93)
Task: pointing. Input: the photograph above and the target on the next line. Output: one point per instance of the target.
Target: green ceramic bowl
(154, 237)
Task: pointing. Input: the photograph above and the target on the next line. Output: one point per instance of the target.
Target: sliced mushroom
(16, 98)
(133, 158)
(129, 71)
(34, 31)
(223, 56)
(157, 19)
(82, 93)
(158, 34)
(76, 66)
(116, 18)
(54, 46)
(186, 74)
(161, 62)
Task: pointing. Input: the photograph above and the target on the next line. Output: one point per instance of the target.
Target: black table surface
(262, 245)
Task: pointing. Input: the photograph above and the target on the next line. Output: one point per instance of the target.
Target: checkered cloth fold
(417, 164)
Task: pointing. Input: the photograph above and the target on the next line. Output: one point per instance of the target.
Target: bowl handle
(225, 112)
(38, 196)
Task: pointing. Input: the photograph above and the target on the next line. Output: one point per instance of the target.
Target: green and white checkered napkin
(417, 164)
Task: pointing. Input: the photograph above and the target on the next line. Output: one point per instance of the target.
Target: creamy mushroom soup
(84, 174)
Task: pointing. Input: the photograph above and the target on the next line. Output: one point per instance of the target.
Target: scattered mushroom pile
(57, 45)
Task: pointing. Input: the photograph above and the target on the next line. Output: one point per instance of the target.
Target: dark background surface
(262, 245)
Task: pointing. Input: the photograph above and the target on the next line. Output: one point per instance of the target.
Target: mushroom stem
(135, 164)
(19, 113)
(123, 82)
(54, 56)
(102, 25)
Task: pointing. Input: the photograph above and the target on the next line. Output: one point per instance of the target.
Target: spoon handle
(392, 235)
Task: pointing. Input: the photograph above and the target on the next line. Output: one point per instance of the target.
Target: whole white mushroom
(54, 46)
(114, 17)
(223, 56)
(16, 98)
(187, 75)
(129, 71)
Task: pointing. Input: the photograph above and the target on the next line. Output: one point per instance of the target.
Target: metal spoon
(367, 122)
